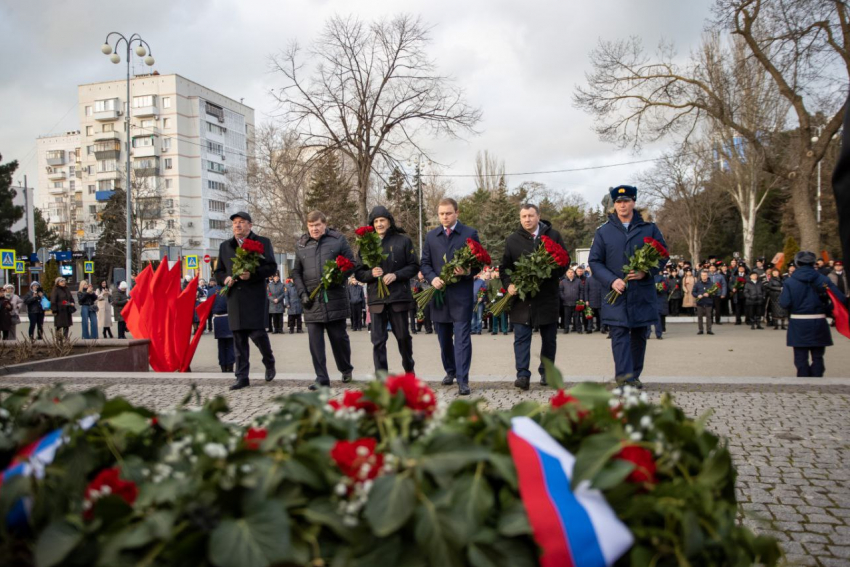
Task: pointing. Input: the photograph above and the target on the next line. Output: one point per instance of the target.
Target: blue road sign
(7, 259)
(192, 262)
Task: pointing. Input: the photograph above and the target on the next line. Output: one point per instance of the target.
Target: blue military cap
(623, 192)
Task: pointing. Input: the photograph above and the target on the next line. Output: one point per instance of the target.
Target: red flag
(839, 312)
(154, 311)
(178, 325)
(131, 310)
(204, 310)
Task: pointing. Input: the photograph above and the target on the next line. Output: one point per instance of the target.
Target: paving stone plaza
(790, 437)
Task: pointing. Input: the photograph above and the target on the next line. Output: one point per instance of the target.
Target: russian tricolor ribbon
(574, 528)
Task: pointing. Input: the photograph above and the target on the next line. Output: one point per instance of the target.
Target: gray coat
(276, 291)
(310, 258)
(292, 300)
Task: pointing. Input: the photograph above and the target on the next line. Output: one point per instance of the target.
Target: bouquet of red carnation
(482, 295)
(580, 305)
(372, 253)
(333, 273)
(588, 312)
(530, 271)
(712, 291)
(661, 287)
(644, 259)
(675, 287)
(471, 256)
(247, 259)
(739, 283)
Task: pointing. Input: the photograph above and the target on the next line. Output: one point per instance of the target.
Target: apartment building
(186, 141)
(58, 189)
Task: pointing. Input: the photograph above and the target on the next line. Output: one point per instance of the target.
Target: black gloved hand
(306, 301)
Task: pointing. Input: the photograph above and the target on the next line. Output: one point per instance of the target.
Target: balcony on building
(148, 167)
(107, 149)
(107, 175)
(107, 110)
(56, 190)
(146, 145)
(102, 136)
(103, 196)
(56, 174)
(56, 157)
(145, 106)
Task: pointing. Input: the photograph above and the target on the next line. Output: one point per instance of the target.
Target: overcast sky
(518, 61)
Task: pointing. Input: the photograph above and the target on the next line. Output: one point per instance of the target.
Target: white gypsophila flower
(146, 472)
(87, 504)
(350, 521)
(200, 437)
(193, 459)
(644, 397)
(362, 451)
(106, 490)
(646, 422)
(629, 428)
(4, 413)
(367, 486)
(659, 448)
(215, 450)
(636, 436)
(246, 468)
(352, 508)
(179, 475)
(613, 402)
(340, 489)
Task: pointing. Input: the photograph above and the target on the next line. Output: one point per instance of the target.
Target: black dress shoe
(699, 332)
(270, 374)
(224, 368)
(521, 383)
(240, 384)
(448, 380)
(543, 381)
(659, 337)
(316, 385)
(710, 332)
(346, 378)
(463, 390)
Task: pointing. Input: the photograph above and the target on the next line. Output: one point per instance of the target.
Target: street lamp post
(142, 49)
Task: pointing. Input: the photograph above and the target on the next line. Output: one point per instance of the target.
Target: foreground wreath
(379, 477)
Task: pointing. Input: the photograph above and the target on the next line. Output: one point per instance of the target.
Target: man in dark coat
(635, 309)
(803, 296)
(294, 310)
(247, 303)
(400, 265)
(453, 319)
(571, 290)
(540, 311)
(276, 292)
(313, 249)
(356, 297)
(594, 300)
(705, 302)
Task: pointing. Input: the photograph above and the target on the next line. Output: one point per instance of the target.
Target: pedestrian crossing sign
(7, 259)
(191, 262)
(19, 267)
(88, 267)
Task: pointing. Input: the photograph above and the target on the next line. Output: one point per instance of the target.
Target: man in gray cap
(247, 308)
(804, 297)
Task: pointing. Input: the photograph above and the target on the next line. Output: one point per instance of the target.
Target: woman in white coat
(104, 308)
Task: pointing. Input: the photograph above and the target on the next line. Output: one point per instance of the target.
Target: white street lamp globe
(149, 61)
(115, 58)
(814, 139)
(106, 49)
(140, 51)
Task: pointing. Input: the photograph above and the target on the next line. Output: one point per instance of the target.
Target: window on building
(150, 225)
(89, 111)
(89, 130)
(169, 203)
(92, 209)
(171, 224)
(142, 101)
(89, 150)
(71, 170)
(166, 102)
(57, 185)
(143, 142)
(106, 185)
(148, 124)
(167, 162)
(216, 242)
(216, 129)
(215, 147)
(108, 127)
(73, 184)
(104, 105)
(216, 206)
(106, 165)
(216, 185)
(166, 122)
(215, 110)
(92, 190)
(93, 229)
(216, 224)
(166, 144)
(215, 167)
(169, 183)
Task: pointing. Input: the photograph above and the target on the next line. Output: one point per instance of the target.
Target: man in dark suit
(453, 319)
(247, 305)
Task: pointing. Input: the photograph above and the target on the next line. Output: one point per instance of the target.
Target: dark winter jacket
(674, 288)
(754, 292)
(293, 300)
(33, 302)
(61, 301)
(700, 288)
(800, 297)
(247, 300)
(571, 291)
(773, 289)
(737, 295)
(543, 308)
(276, 290)
(119, 300)
(594, 290)
(355, 293)
(310, 258)
(612, 246)
(663, 306)
(439, 249)
(86, 298)
(402, 261)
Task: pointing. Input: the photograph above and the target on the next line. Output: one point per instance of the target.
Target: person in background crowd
(571, 291)
(736, 292)
(247, 304)
(5, 316)
(839, 277)
(635, 309)
(705, 303)
(212, 289)
(356, 297)
(423, 318)
(319, 245)
(754, 296)
(200, 296)
(63, 306)
(773, 290)
(88, 309)
(663, 307)
(294, 310)
(452, 318)
(594, 300)
(539, 311)
(791, 269)
(222, 333)
(674, 292)
(804, 297)
(34, 300)
(479, 296)
(104, 308)
(414, 309)
(495, 292)
(822, 268)
(759, 269)
(119, 300)
(276, 291)
(689, 303)
(14, 304)
(720, 297)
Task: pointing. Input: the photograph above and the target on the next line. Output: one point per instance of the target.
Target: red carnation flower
(417, 395)
(344, 264)
(657, 245)
(502, 290)
(357, 459)
(562, 398)
(363, 230)
(561, 257)
(353, 399)
(253, 246)
(644, 463)
(105, 483)
(479, 252)
(254, 437)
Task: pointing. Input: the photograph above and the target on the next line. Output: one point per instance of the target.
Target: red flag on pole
(203, 310)
(839, 313)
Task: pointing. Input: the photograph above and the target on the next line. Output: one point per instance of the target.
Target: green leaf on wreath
(591, 394)
(257, 540)
(129, 421)
(553, 375)
(595, 451)
(56, 542)
(391, 503)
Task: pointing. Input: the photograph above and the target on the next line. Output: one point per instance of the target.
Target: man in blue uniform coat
(454, 316)
(803, 296)
(614, 243)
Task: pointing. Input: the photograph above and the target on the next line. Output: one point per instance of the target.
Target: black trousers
(412, 315)
(426, 321)
(567, 318)
(754, 311)
(340, 346)
(277, 322)
(718, 303)
(740, 309)
(675, 305)
(398, 321)
(122, 329)
(36, 322)
(596, 322)
(356, 316)
(293, 320)
(240, 341)
(801, 361)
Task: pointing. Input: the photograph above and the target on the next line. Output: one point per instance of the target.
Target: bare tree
(802, 46)
(371, 93)
(687, 204)
(489, 171)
